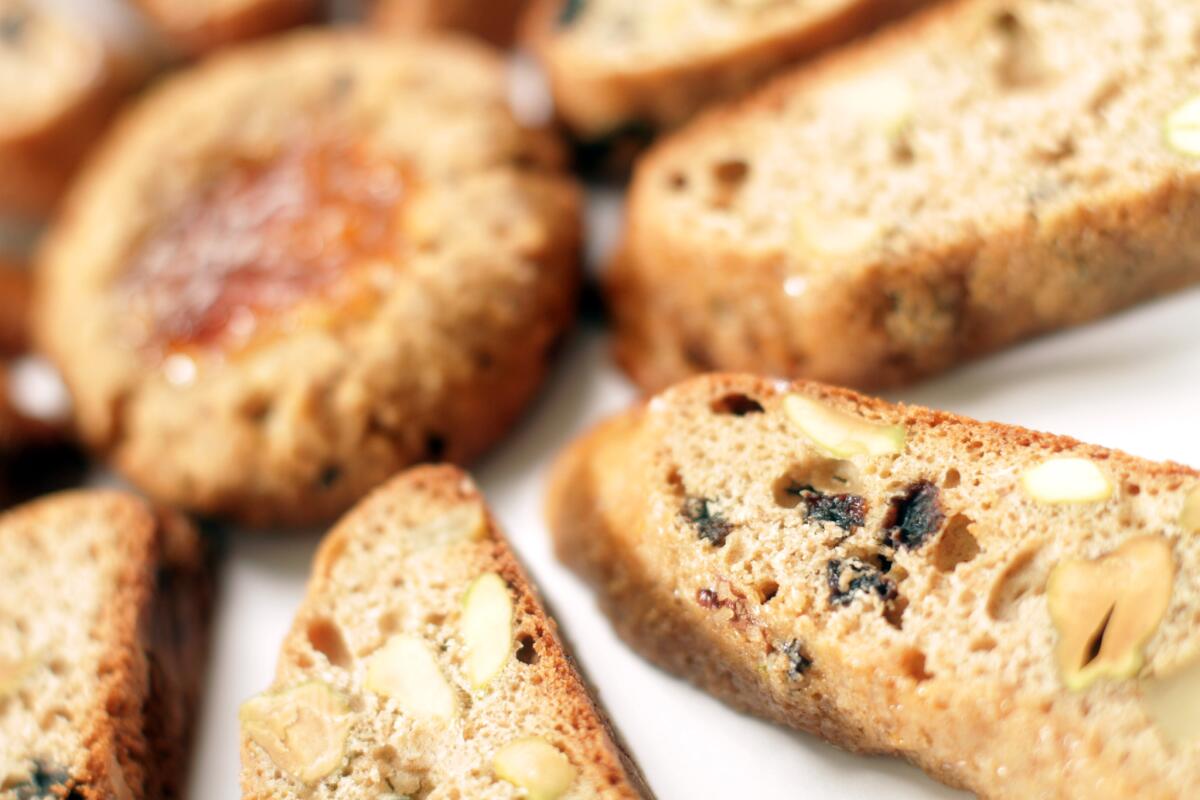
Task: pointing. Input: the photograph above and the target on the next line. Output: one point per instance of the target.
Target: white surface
(1131, 382)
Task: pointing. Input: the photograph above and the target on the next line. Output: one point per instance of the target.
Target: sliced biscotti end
(422, 661)
(902, 580)
(103, 607)
(960, 181)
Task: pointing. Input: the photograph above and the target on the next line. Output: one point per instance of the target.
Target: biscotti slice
(103, 614)
(1012, 611)
(199, 26)
(62, 76)
(422, 664)
(616, 65)
(970, 178)
(495, 20)
(305, 264)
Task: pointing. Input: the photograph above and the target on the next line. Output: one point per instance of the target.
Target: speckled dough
(103, 629)
(967, 179)
(892, 603)
(440, 334)
(613, 64)
(399, 565)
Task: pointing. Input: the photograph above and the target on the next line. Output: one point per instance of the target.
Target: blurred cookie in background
(495, 20)
(305, 264)
(64, 70)
(36, 455)
(199, 26)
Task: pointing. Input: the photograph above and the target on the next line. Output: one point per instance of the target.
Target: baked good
(274, 287)
(103, 611)
(967, 179)
(61, 79)
(200, 26)
(1012, 611)
(422, 664)
(495, 20)
(616, 65)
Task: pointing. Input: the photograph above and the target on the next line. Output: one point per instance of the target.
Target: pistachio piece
(303, 729)
(1105, 610)
(1067, 480)
(406, 670)
(840, 434)
(1189, 517)
(1182, 128)
(461, 523)
(1173, 702)
(536, 766)
(487, 628)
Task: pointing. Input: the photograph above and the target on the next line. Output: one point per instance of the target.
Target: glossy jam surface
(261, 239)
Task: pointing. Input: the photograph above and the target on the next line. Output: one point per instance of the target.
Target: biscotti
(103, 609)
(62, 77)
(1012, 611)
(422, 664)
(967, 179)
(495, 21)
(199, 26)
(273, 287)
(621, 65)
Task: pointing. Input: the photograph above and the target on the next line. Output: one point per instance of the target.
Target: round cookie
(62, 77)
(306, 264)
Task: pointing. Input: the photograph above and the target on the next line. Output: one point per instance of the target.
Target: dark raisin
(710, 525)
(914, 516)
(329, 476)
(13, 25)
(571, 9)
(798, 661)
(852, 576)
(847, 511)
(43, 780)
(707, 598)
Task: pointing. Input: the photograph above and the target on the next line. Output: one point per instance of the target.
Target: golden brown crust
(448, 353)
(913, 305)
(597, 99)
(924, 684)
(136, 735)
(495, 21)
(200, 26)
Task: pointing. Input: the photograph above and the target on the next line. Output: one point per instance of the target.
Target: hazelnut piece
(303, 729)
(1182, 128)
(1173, 702)
(487, 628)
(1105, 610)
(536, 766)
(1189, 517)
(840, 434)
(406, 670)
(1067, 480)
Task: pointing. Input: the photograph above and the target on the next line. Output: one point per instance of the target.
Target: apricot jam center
(263, 238)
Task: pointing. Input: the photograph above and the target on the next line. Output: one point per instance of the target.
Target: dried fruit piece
(1189, 517)
(1105, 610)
(847, 511)
(303, 729)
(799, 662)
(1173, 702)
(915, 516)
(1182, 128)
(461, 523)
(712, 527)
(1067, 480)
(487, 628)
(536, 766)
(848, 578)
(840, 434)
(406, 670)
(41, 782)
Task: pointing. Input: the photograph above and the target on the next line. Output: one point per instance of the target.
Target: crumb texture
(943, 601)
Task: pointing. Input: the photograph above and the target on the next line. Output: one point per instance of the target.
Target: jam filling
(263, 238)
